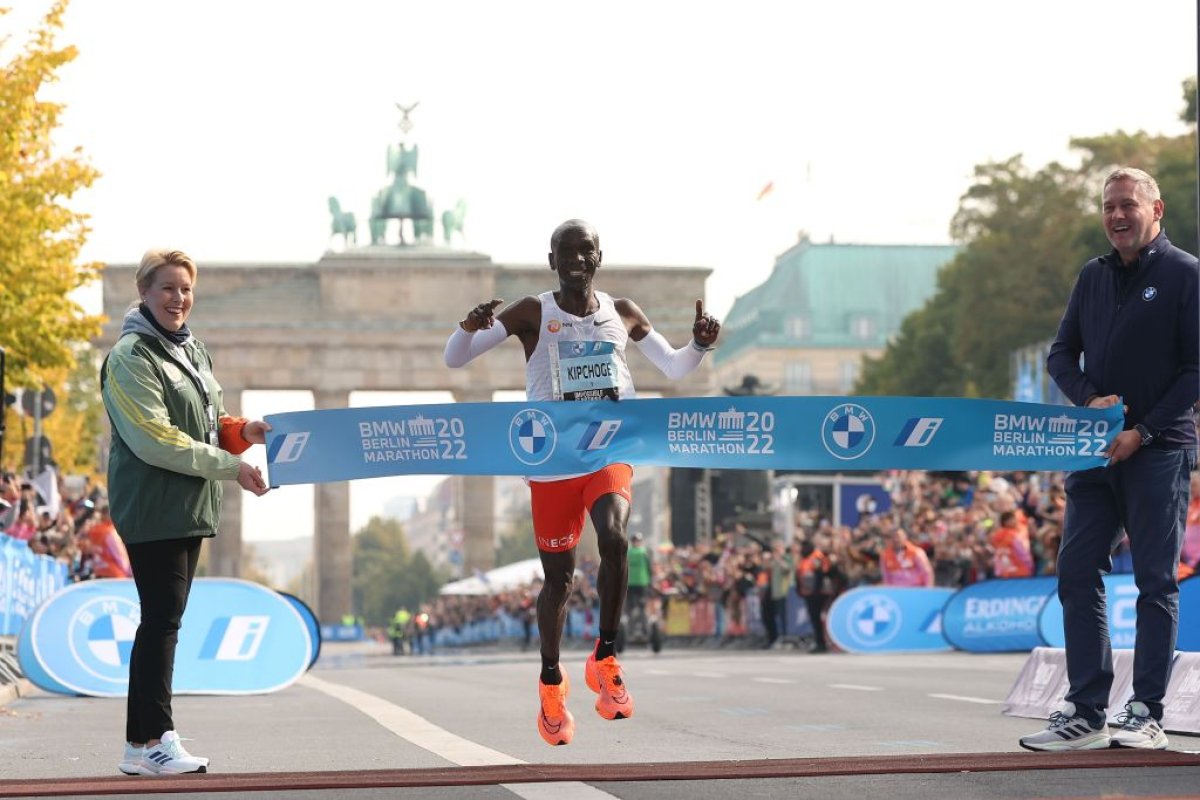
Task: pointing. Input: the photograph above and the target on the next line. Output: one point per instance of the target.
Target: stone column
(225, 551)
(334, 564)
(478, 505)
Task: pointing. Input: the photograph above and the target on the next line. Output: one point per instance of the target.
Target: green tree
(517, 543)
(386, 575)
(1026, 235)
(40, 238)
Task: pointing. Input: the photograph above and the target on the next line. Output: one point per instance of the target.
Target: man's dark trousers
(1145, 496)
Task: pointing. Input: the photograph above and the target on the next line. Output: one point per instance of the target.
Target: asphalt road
(830, 725)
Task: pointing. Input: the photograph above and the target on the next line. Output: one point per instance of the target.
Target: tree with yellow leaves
(41, 326)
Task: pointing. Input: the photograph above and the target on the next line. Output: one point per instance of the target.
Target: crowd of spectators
(76, 530)
(958, 528)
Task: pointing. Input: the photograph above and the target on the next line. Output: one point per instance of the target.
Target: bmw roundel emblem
(874, 619)
(532, 436)
(1149, 293)
(101, 637)
(848, 431)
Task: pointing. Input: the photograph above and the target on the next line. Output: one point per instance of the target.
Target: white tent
(510, 576)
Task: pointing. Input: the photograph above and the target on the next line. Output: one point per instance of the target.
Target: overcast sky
(222, 127)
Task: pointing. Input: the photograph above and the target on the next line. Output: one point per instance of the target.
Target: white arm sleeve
(463, 346)
(672, 363)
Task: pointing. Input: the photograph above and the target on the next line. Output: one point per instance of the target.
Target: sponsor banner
(1122, 597)
(342, 633)
(1121, 691)
(1181, 705)
(237, 638)
(26, 579)
(1040, 687)
(997, 616)
(310, 621)
(1189, 609)
(882, 619)
(812, 433)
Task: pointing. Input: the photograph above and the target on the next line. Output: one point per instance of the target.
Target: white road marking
(771, 680)
(965, 699)
(444, 744)
(856, 687)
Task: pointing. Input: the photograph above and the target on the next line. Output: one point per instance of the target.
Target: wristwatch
(1144, 432)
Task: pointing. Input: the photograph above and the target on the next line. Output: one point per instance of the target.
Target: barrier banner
(997, 616)
(1121, 594)
(26, 579)
(237, 638)
(757, 433)
(889, 619)
(1041, 685)
(1181, 706)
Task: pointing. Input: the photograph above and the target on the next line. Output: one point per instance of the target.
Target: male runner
(551, 327)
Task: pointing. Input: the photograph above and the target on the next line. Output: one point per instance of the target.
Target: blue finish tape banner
(1121, 593)
(237, 638)
(889, 619)
(997, 616)
(558, 438)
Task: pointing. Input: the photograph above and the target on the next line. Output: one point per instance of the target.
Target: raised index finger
(699, 310)
(492, 305)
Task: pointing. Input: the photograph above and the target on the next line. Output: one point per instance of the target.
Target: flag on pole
(766, 190)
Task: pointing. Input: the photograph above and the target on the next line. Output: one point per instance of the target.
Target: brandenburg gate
(376, 318)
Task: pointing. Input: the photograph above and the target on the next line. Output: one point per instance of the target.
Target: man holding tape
(1133, 317)
(574, 341)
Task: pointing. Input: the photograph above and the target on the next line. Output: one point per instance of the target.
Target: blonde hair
(154, 259)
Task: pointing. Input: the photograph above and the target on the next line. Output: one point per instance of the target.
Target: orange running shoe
(606, 678)
(554, 721)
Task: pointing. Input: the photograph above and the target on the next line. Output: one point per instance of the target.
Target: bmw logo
(532, 436)
(874, 620)
(1149, 293)
(101, 637)
(848, 431)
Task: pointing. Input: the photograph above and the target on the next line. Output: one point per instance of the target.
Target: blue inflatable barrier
(887, 619)
(1122, 595)
(237, 638)
(997, 616)
(310, 620)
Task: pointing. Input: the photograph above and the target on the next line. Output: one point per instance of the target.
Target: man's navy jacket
(1138, 328)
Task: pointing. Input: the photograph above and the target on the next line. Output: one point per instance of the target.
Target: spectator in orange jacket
(109, 558)
(903, 563)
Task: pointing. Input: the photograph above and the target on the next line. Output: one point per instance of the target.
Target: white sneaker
(1139, 729)
(131, 762)
(169, 758)
(1068, 731)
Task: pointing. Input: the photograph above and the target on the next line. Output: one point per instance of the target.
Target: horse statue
(343, 223)
(402, 199)
(452, 220)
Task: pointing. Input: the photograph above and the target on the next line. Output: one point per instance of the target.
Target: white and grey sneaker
(169, 758)
(131, 762)
(1139, 729)
(1068, 731)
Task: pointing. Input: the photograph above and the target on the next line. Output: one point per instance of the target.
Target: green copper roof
(834, 295)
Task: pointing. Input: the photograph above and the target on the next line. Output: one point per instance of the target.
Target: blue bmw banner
(558, 438)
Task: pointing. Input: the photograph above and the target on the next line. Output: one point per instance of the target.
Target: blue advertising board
(997, 616)
(1189, 615)
(1122, 594)
(237, 638)
(889, 619)
(26, 579)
